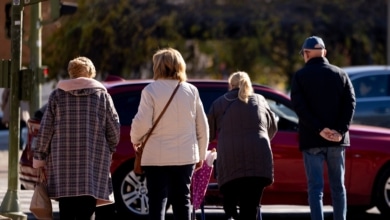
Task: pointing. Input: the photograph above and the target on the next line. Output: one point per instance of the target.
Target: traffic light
(43, 73)
(8, 7)
(68, 8)
(59, 8)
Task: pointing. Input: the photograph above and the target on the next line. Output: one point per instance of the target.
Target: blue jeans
(314, 165)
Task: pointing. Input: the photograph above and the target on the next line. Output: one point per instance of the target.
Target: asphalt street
(275, 212)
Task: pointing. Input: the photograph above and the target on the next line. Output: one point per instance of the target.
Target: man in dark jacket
(324, 99)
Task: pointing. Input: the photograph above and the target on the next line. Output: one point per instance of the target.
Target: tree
(118, 36)
(261, 37)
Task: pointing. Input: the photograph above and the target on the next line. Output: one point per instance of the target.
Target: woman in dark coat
(244, 125)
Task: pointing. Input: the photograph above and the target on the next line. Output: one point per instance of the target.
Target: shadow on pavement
(218, 215)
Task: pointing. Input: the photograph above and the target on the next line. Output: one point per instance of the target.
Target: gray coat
(244, 131)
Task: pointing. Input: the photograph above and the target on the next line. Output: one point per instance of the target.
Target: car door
(289, 176)
(126, 100)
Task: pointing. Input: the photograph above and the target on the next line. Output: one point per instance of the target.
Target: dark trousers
(245, 193)
(76, 208)
(171, 182)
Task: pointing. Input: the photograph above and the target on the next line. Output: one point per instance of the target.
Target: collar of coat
(316, 60)
(79, 83)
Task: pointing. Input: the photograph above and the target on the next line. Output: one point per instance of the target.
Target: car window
(286, 117)
(126, 105)
(371, 86)
(282, 111)
(208, 95)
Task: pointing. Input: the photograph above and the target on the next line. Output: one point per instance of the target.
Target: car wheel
(130, 192)
(382, 199)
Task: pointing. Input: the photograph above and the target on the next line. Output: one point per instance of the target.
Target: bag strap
(159, 117)
(41, 175)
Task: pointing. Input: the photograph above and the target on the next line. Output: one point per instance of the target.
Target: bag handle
(41, 176)
(141, 148)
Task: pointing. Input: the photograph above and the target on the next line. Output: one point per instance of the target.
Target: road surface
(274, 212)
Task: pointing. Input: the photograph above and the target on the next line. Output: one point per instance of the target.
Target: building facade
(47, 28)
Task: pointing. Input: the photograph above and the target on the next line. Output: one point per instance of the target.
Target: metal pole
(388, 32)
(11, 205)
(35, 42)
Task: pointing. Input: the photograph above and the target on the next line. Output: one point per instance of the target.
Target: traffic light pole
(35, 42)
(388, 32)
(10, 205)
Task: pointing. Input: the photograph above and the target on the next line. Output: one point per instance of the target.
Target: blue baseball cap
(313, 43)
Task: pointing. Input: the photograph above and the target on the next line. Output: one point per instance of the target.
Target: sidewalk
(24, 195)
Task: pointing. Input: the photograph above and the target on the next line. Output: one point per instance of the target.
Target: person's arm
(45, 133)
(348, 107)
(143, 120)
(272, 123)
(202, 129)
(212, 121)
(302, 107)
(112, 125)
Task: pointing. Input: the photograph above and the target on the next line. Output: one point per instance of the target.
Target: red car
(367, 175)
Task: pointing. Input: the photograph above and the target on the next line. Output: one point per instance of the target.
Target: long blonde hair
(169, 64)
(241, 81)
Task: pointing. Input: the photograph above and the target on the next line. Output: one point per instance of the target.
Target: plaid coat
(79, 132)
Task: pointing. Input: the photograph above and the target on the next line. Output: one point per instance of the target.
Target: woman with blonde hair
(241, 81)
(79, 132)
(244, 125)
(178, 144)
